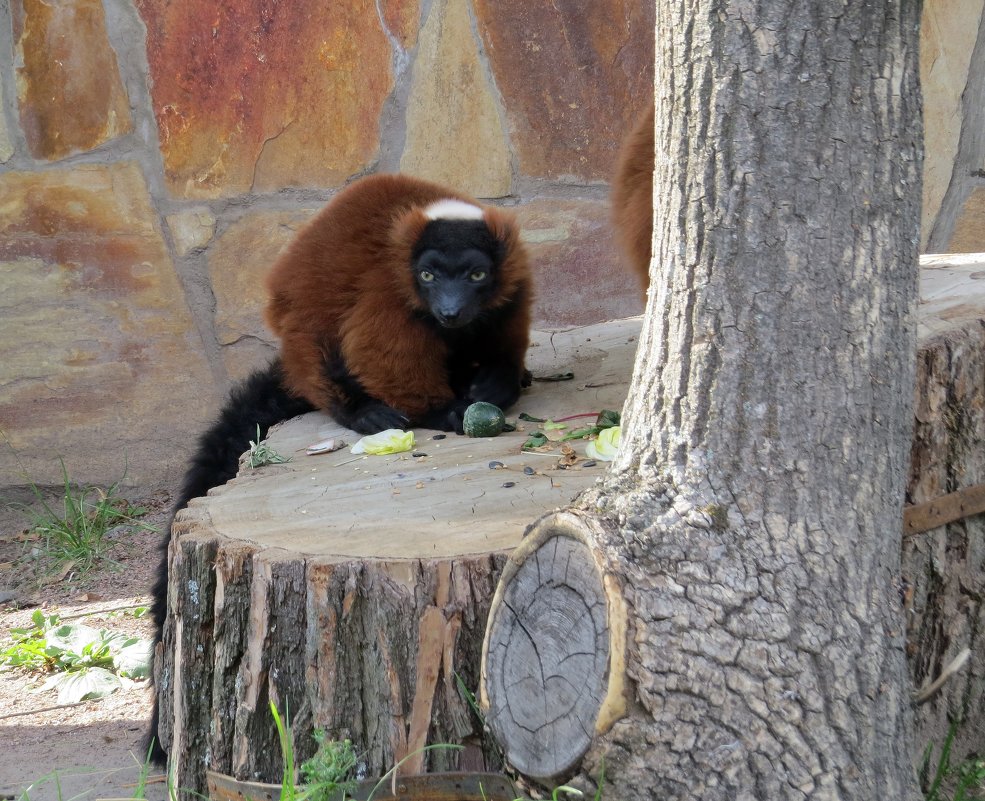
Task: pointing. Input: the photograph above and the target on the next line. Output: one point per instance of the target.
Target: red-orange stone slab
(402, 17)
(255, 96)
(578, 276)
(102, 363)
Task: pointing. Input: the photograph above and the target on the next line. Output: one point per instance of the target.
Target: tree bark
(366, 649)
(751, 521)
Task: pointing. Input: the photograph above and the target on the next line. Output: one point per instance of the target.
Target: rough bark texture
(368, 650)
(754, 510)
(944, 569)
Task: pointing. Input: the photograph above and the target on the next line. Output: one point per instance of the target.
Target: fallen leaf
(568, 455)
(54, 578)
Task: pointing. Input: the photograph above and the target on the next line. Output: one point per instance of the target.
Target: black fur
(456, 236)
(259, 400)
(356, 409)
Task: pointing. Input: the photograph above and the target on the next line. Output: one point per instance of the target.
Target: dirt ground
(90, 751)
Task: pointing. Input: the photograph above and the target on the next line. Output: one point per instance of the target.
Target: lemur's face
(455, 264)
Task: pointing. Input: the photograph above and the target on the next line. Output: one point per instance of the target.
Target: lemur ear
(406, 230)
(502, 225)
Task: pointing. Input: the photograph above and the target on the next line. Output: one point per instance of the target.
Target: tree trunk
(750, 525)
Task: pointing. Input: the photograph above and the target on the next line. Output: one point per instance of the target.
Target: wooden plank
(943, 510)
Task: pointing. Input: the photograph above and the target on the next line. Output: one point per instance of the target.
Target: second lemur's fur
(632, 197)
(399, 304)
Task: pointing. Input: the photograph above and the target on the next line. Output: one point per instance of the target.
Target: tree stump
(353, 591)
(944, 568)
(553, 671)
(312, 584)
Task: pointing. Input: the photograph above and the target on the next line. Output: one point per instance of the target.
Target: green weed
(966, 778)
(288, 790)
(334, 764)
(262, 454)
(330, 773)
(85, 662)
(144, 769)
(77, 532)
(332, 769)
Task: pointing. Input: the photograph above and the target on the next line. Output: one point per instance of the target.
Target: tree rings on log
(554, 652)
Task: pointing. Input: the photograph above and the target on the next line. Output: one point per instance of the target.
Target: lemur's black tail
(260, 400)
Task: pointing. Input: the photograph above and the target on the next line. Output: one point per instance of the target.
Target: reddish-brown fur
(632, 197)
(346, 285)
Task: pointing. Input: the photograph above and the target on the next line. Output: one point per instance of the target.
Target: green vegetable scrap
(604, 447)
(261, 454)
(606, 419)
(536, 440)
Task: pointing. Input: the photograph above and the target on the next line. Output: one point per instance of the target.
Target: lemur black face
(455, 264)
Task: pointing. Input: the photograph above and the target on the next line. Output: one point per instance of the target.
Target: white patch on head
(453, 210)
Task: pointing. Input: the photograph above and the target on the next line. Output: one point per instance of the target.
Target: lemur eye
(478, 275)
(426, 276)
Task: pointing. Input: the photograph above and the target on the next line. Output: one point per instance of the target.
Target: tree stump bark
(368, 649)
(353, 591)
(944, 568)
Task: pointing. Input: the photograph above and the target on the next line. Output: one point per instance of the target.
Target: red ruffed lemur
(398, 305)
(632, 197)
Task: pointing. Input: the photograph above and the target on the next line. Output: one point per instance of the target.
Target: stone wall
(952, 60)
(155, 156)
